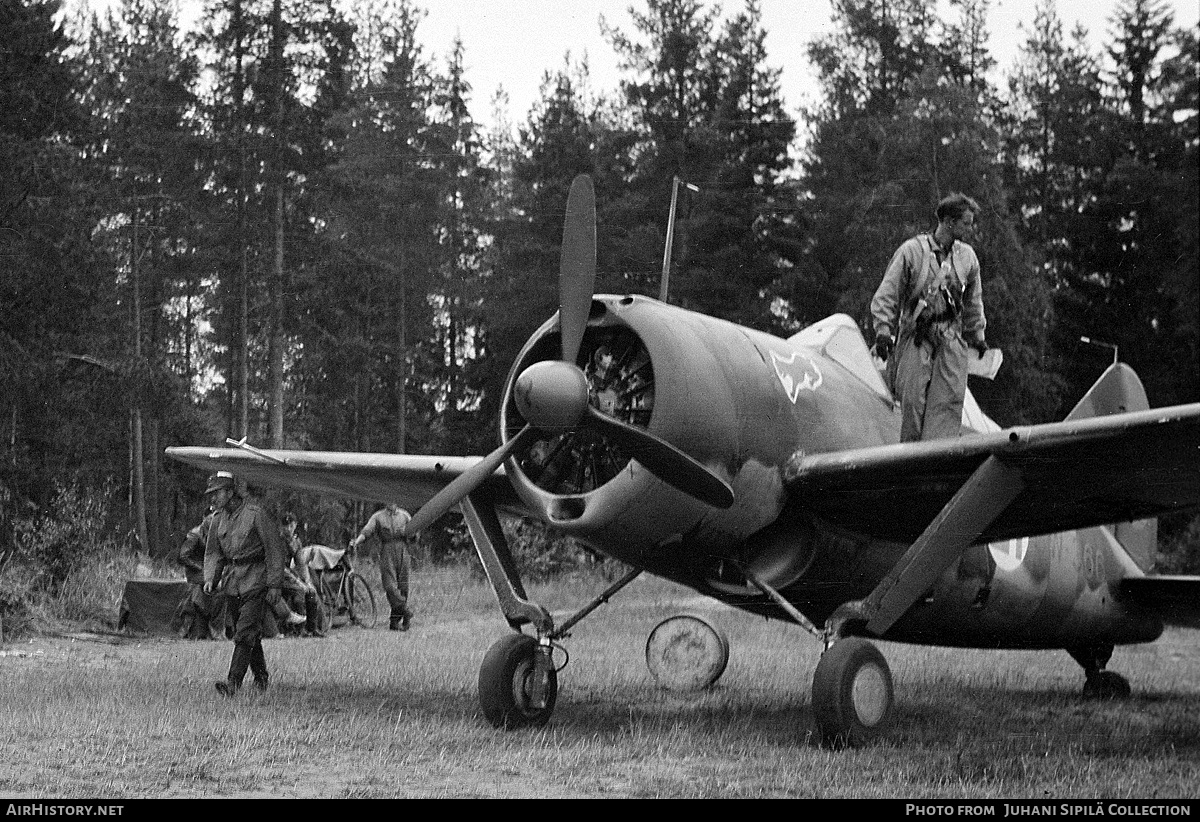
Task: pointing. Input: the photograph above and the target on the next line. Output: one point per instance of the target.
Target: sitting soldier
(299, 592)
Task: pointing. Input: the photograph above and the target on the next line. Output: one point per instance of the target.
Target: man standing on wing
(929, 308)
(244, 558)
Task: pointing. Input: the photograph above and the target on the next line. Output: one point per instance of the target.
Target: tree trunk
(275, 340)
(138, 480)
(240, 343)
(402, 383)
(276, 343)
(154, 518)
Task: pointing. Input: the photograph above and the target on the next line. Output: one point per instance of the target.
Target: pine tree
(140, 94)
(454, 382)
(567, 133)
(280, 71)
(382, 206)
(708, 112)
(884, 151)
(52, 281)
(1129, 275)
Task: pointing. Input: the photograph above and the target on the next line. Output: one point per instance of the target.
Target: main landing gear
(852, 692)
(518, 680)
(518, 684)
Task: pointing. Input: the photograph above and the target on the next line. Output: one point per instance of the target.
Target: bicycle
(343, 592)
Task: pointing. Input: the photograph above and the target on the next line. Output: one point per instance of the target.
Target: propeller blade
(664, 460)
(577, 268)
(466, 482)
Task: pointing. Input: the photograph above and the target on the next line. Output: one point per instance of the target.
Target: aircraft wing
(1074, 474)
(407, 479)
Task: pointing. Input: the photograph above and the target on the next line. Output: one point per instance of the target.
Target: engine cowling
(703, 385)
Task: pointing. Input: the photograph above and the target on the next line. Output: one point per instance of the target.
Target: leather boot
(237, 670)
(258, 664)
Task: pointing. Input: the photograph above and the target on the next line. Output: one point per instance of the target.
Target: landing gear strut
(518, 681)
(852, 693)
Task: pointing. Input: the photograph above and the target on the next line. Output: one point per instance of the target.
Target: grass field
(383, 714)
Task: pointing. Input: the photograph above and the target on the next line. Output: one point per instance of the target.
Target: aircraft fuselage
(743, 403)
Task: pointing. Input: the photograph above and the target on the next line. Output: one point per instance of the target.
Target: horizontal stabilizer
(1174, 599)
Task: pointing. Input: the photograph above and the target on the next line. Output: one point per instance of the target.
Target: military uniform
(244, 558)
(935, 298)
(298, 588)
(199, 615)
(387, 524)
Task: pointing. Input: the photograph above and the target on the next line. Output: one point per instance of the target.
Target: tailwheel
(1106, 685)
(1099, 683)
(508, 686)
(852, 694)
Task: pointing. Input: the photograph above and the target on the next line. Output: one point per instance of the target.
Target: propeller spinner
(552, 395)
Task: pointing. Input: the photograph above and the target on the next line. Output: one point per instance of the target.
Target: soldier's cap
(219, 480)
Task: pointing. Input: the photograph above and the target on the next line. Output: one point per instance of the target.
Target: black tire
(1106, 685)
(505, 683)
(361, 600)
(852, 694)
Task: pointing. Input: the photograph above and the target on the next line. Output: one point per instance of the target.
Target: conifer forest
(283, 223)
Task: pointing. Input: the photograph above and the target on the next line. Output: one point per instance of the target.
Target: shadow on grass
(969, 721)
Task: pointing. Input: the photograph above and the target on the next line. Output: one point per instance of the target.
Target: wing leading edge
(1076, 474)
(407, 479)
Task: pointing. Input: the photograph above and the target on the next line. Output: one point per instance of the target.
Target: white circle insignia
(1009, 555)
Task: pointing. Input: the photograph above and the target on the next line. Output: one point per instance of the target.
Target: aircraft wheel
(686, 652)
(1106, 685)
(851, 694)
(506, 684)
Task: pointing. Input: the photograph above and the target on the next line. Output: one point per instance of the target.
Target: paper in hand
(984, 365)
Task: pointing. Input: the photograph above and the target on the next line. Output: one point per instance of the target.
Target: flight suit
(245, 552)
(936, 299)
(387, 524)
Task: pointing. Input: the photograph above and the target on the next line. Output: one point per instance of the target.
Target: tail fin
(1117, 391)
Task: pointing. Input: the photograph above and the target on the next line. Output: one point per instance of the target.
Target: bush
(540, 554)
(78, 532)
(91, 592)
(15, 609)
(1178, 545)
(66, 566)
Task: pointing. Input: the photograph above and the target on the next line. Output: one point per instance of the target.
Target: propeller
(552, 395)
(577, 267)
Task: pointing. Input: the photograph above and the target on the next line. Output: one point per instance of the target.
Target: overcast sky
(513, 42)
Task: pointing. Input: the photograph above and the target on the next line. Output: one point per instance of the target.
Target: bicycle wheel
(335, 609)
(361, 600)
